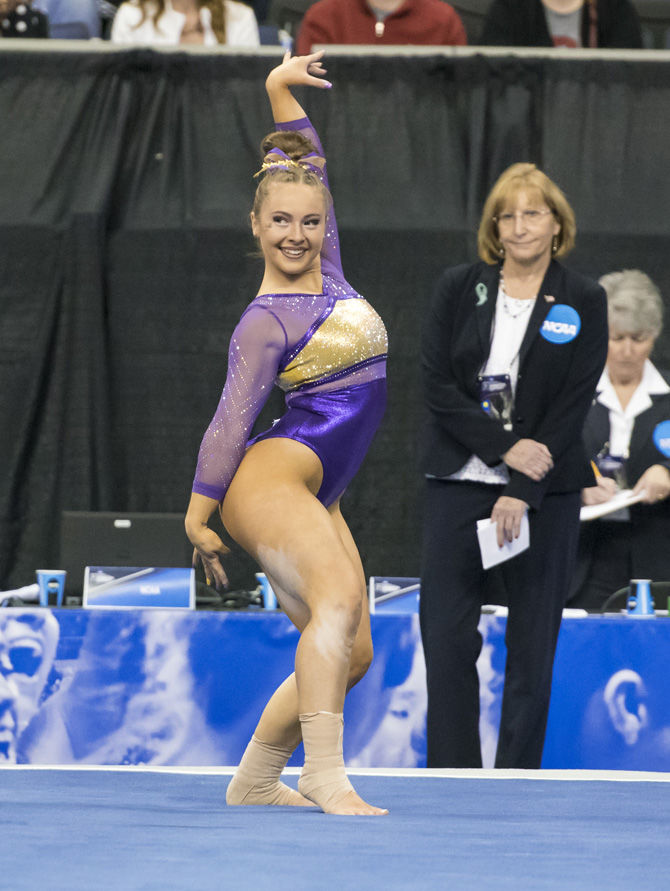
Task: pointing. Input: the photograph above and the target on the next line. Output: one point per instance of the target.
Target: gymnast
(279, 494)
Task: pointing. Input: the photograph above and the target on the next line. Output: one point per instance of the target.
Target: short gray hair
(634, 304)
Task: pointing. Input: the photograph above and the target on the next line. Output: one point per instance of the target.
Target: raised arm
(288, 114)
(293, 71)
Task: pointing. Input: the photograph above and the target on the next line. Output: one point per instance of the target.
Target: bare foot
(238, 793)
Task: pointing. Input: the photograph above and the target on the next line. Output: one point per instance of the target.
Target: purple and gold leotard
(326, 351)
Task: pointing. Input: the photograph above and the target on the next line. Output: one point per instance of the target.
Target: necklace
(512, 305)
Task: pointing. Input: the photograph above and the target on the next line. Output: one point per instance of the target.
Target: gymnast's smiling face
(290, 228)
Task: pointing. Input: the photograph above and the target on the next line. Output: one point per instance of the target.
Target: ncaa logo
(561, 325)
(662, 438)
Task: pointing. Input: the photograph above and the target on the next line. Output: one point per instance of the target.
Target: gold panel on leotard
(351, 334)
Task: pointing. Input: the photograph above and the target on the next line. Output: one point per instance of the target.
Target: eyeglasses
(529, 217)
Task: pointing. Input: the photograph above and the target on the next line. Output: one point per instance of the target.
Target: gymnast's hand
(208, 548)
(529, 457)
(298, 70)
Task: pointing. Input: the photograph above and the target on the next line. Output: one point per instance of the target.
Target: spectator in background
(627, 433)
(260, 8)
(19, 19)
(173, 22)
(71, 19)
(382, 22)
(573, 23)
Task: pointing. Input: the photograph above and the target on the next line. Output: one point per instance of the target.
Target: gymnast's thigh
(271, 510)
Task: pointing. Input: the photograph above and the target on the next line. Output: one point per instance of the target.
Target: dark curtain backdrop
(125, 186)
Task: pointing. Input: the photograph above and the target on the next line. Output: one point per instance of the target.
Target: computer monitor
(116, 538)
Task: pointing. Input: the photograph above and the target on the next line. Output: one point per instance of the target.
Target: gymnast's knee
(342, 609)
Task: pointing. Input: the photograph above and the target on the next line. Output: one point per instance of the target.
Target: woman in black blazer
(601, 23)
(512, 350)
(627, 433)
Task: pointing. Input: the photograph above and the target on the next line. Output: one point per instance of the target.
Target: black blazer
(649, 525)
(524, 23)
(554, 389)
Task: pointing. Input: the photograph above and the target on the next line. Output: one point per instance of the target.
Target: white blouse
(241, 26)
(509, 327)
(622, 420)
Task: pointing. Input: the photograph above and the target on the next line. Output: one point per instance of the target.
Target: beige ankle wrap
(256, 780)
(323, 779)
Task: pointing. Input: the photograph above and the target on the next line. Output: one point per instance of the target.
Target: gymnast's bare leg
(308, 553)
(256, 782)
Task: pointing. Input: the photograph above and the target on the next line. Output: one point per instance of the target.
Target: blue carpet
(135, 829)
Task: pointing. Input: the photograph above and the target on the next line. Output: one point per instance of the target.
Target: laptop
(107, 539)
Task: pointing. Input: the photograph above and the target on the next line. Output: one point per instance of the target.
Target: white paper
(622, 499)
(488, 542)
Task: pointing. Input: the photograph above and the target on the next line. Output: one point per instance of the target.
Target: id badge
(612, 466)
(495, 397)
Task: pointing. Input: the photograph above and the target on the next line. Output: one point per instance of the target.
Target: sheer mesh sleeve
(331, 262)
(256, 348)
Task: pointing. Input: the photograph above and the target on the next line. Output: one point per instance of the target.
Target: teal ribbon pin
(482, 293)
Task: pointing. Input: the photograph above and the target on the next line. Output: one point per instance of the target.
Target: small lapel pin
(482, 293)
(549, 299)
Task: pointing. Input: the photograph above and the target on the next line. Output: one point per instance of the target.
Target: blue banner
(170, 687)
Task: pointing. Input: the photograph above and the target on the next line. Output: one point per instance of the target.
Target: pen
(598, 474)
